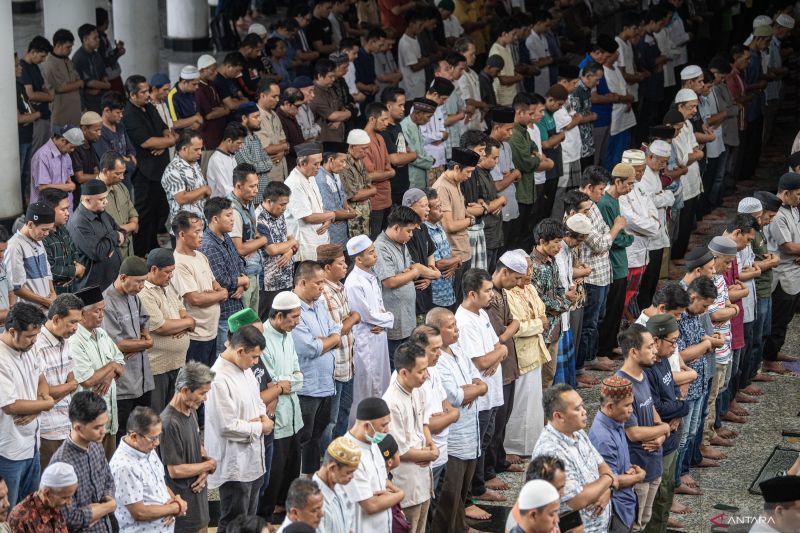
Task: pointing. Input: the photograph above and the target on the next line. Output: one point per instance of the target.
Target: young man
(38, 94)
(491, 202)
(401, 155)
(281, 246)
(422, 111)
(244, 233)
(377, 161)
(187, 465)
(581, 102)
(507, 82)
(114, 136)
(223, 161)
(120, 204)
(61, 251)
(181, 100)
(410, 58)
(407, 404)
(526, 159)
(59, 74)
(434, 132)
(326, 104)
(209, 105)
(252, 150)
(371, 357)
(271, 134)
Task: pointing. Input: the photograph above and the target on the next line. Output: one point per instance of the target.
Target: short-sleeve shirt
(785, 227)
(19, 380)
(477, 338)
(90, 67)
(162, 304)
(452, 200)
(370, 476)
(642, 416)
(211, 130)
(442, 289)
(27, 266)
(226, 88)
(393, 259)
(276, 277)
(193, 274)
(723, 353)
(396, 143)
(182, 176)
(32, 75)
(421, 247)
(692, 330)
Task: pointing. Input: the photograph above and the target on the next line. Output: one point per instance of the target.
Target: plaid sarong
(565, 362)
(632, 310)
(477, 244)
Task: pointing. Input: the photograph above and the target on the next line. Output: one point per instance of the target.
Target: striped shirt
(27, 266)
(455, 371)
(723, 353)
(339, 308)
(57, 364)
(182, 176)
(594, 251)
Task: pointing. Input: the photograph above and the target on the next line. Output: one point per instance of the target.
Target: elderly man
(96, 236)
(25, 394)
(182, 453)
(183, 180)
(44, 509)
(126, 322)
(93, 503)
(342, 458)
(120, 205)
(145, 502)
(25, 259)
(271, 133)
(236, 421)
(306, 217)
(51, 165)
(356, 181)
(52, 346)
(168, 325)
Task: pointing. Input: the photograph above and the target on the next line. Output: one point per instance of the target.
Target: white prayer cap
(357, 137)
(514, 262)
(358, 244)
(189, 72)
(762, 20)
(685, 95)
(691, 72)
(749, 206)
(633, 157)
(660, 148)
(580, 223)
(286, 301)
(257, 28)
(785, 20)
(205, 61)
(535, 494)
(58, 476)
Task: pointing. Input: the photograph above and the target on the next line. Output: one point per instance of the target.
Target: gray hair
(193, 376)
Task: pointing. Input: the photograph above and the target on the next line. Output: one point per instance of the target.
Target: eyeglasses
(151, 440)
(671, 343)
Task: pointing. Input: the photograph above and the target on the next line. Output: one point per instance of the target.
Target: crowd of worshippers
(386, 262)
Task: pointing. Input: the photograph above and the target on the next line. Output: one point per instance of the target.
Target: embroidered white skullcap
(515, 262)
(691, 72)
(749, 205)
(660, 148)
(286, 301)
(580, 223)
(633, 157)
(786, 21)
(358, 244)
(685, 95)
(537, 493)
(357, 137)
(59, 476)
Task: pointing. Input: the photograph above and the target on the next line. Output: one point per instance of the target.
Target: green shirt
(280, 360)
(609, 208)
(418, 169)
(90, 353)
(764, 281)
(522, 147)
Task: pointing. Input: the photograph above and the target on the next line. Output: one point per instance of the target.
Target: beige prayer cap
(344, 451)
(623, 170)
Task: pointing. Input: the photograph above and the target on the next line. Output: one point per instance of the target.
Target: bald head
(437, 316)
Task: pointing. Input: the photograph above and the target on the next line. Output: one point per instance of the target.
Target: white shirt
(369, 477)
(622, 117)
(477, 338)
(337, 507)
(571, 145)
(432, 132)
(665, 48)
(684, 143)
(409, 53)
(370, 350)
(19, 380)
(643, 223)
(626, 62)
(138, 477)
(564, 262)
(470, 88)
(220, 173)
(538, 49)
(435, 394)
(236, 443)
(662, 199)
(305, 200)
(452, 27)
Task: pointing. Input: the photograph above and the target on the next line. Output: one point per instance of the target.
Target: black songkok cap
(93, 187)
(372, 409)
(769, 201)
(40, 213)
(697, 257)
(133, 266)
(442, 87)
(789, 182)
(307, 149)
(662, 132)
(503, 115)
(781, 489)
(673, 116)
(606, 43)
(569, 72)
(335, 148)
(464, 157)
(794, 159)
(388, 447)
(90, 295)
(160, 258)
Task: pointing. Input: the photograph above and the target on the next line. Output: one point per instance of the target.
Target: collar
(130, 450)
(214, 236)
(609, 422)
(571, 441)
(541, 257)
(335, 285)
(48, 335)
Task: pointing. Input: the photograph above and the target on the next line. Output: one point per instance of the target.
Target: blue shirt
(226, 266)
(317, 366)
(455, 371)
(752, 74)
(181, 104)
(691, 332)
(642, 416)
(333, 198)
(608, 437)
(603, 110)
(443, 293)
(666, 398)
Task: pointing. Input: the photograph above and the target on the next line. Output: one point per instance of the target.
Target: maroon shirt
(207, 99)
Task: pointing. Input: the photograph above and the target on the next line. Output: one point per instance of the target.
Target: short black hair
(251, 40)
(4, 236)
(421, 334)
(703, 287)
(543, 467)
(265, 84)
(390, 94)
(472, 138)
(247, 337)
(234, 131)
(85, 406)
(672, 296)
(214, 206)
(233, 59)
(305, 270)
(374, 109)
(631, 338)
(271, 44)
(573, 200)
(114, 100)
(375, 33)
(473, 279)
(85, 30)
(276, 190)
(240, 173)
(182, 221)
(40, 44)
(22, 316)
(406, 355)
(347, 43)
(185, 138)
(100, 16)
(590, 68)
(63, 304)
(63, 36)
(548, 230)
(744, 222)
(323, 67)
(52, 197)
(291, 95)
(299, 492)
(109, 160)
(132, 83)
(403, 216)
(553, 399)
(595, 175)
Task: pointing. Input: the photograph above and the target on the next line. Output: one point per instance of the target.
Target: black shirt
(142, 123)
(84, 159)
(319, 30)
(400, 183)
(23, 106)
(262, 376)
(90, 67)
(492, 224)
(420, 248)
(32, 75)
(95, 237)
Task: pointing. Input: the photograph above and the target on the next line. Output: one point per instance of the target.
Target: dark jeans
(124, 410)
(316, 414)
(486, 420)
(457, 288)
(492, 255)
(747, 358)
(649, 281)
(286, 457)
(151, 203)
(269, 446)
(751, 145)
(495, 461)
(237, 498)
(340, 412)
(164, 390)
(686, 223)
(202, 351)
(393, 344)
(449, 516)
(265, 299)
(437, 473)
(593, 312)
(706, 203)
(762, 327)
(609, 327)
(21, 477)
(521, 233)
(783, 306)
(542, 205)
(377, 222)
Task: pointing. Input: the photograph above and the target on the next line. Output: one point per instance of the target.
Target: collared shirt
(435, 396)
(182, 176)
(94, 482)
(521, 148)
(608, 437)
(546, 281)
(369, 477)
(684, 143)
(305, 200)
(609, 209)
(443, 293)
(61, 256)
(253, 152)
(333, 198)
(723, 353)
(124, 319)
(139, 477)
(454, 105)
(408, 411)
(662, 199)
(377, 159)
(57, 71)
(355, 178)
(529, 310)
(594, 250)
(764, 281)
(317, 366)
(19, 378)
(162, 304)
(271, 132)
(207, 98)
(505, 164)
(141, 124)
(227, 266)
(477, 338)
(469, 87)
(775, 62)
(692, 330)
(56, 362)
(338, 510)
(417, 169)
(326, 101)
(499, 313)
(50, 167)
(457, 370)
(581, 101)
(280, 361)
(220, 173)
(643, 223)
(230, 436)
(393, 259)
(180, 104)
(96, 239)
(307, 122)
(120, 207)
(784, 228)
(339, 309)
(31, 515)
(90, 352)
(581, 461)
(275, 277)
(244, 228)
(452, 200)
(193, 274)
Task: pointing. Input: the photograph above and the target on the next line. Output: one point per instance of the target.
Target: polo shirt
(452, 201)
(393, 259)
(161, 304)
(642, 416)
(181, 104)
(608, 437)
(26, 265)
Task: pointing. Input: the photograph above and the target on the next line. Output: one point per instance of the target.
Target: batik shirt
(443, 293)
(275, 278)
(691, 332)
(581, 100)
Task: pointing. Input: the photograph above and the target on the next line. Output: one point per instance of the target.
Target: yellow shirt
(529, 310)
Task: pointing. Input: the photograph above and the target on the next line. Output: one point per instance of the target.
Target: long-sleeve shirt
(522, 147)
(280, 360)
(227, 266)
(609, 209)
(62, 256)
(317, 365)
(666, 399)
(527, 308)
(545, 280)
(417, 169)
(608, 437)
(457, 370)
(643, 223)
(662, 200)
(96, 239)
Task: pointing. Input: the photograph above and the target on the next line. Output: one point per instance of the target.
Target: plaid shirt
(226, 266)
(57, 360)
(594, 251)
(253, 152)
(581, 100)
(61, 256)
(443, 293)
(339, 308)
(275, 278)
(545, 280)
(181, 176)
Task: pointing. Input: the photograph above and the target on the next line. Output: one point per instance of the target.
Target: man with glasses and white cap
(43, 510)
(51, 165)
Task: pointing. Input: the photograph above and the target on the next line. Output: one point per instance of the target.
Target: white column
(10, 189)
(67, 14)
(136, 23)
(187, 25)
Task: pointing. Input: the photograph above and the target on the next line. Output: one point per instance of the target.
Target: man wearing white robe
(370, 347)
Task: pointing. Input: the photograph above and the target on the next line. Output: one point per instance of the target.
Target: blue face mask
(377, 438)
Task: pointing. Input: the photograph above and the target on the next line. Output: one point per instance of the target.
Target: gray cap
(190, 72)
(411, 196)
(722, 246)
(74, 136)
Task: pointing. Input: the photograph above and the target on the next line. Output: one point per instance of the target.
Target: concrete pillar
(136, 23)
(10, 187)
(187, 26)
(67, 14)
